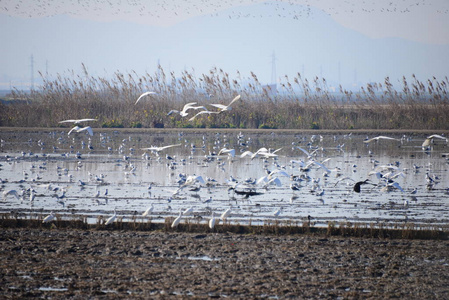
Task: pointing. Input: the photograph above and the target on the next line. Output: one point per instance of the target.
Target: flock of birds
(156, 10)
(385, 176)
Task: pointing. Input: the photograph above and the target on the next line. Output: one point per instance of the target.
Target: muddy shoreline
(255, 131)
(76, 263)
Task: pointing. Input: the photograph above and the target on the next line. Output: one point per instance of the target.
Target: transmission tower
(32, 72)
(273, 68)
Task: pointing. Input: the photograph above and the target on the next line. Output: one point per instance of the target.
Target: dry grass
(300, 104)
(284, 227)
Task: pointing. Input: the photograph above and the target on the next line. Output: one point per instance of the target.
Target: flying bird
(379, 138)
(430, 139)
(183, 112)
(145, 94)
(357, 185)
(226, 107)
(159, 149)
(78, 121)
(203, 112)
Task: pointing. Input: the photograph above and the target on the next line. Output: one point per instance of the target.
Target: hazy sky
(422, 21)
(418, 20)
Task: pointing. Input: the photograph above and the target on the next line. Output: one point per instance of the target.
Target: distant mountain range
(303, 40)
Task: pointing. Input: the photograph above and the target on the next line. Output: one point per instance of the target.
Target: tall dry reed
(298, 104)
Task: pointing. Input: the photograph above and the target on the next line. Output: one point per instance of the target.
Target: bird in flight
(183, 112)
(226, 107)
(145, 94)
(379, 138)
(159, 149)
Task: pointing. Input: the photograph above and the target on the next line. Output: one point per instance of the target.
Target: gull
(380, 137)
(226, 107)
(11, 192)
(183, 112)
(159, 149)
(78, 121)
(309, 155)
(391, 185)
(277, 212)
(230, 152)
(430, 138)
(81, 129)
(264, 152)
(145, 94)
(203, 112)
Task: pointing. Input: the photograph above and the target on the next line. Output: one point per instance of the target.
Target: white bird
(177, 220)
(148, 211)
(87, 128)
(11, 192)
(212, 221)
(78, 121)
(49, 218)
(145, 94)
(183, 112)
(226, 107)
(159, 149)
(111, 218)
(277, 212)
(379, 138)
(188, 211)
(430, 138)
(225, 214)
(230, 152)
(203, 112)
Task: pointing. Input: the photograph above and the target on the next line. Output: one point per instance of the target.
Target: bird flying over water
(357, 186)
(159, 149)
(430, 139)
(381, 137)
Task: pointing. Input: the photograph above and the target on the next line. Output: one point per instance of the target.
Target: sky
(419, 22)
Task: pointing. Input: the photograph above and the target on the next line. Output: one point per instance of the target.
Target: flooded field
(308, 177)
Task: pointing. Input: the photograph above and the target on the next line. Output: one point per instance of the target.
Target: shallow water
(37, 159)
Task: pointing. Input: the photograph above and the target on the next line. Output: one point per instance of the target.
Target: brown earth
(74, 263)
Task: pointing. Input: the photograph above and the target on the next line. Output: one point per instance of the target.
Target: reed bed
(299, 103)
(276, 227)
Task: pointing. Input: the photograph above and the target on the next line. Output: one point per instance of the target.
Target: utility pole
(339, 73)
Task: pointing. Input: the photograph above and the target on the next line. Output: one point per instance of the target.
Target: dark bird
(358, 184)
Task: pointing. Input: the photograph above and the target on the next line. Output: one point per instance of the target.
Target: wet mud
(104, 264)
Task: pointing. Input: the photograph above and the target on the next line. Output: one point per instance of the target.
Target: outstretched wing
(145, 94)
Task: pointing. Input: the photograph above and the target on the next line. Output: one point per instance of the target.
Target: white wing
(235, 99)
(145, 94)
(78, 121)
(203, 112)
(88, 129)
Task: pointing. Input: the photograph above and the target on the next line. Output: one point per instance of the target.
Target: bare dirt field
(73, 263)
